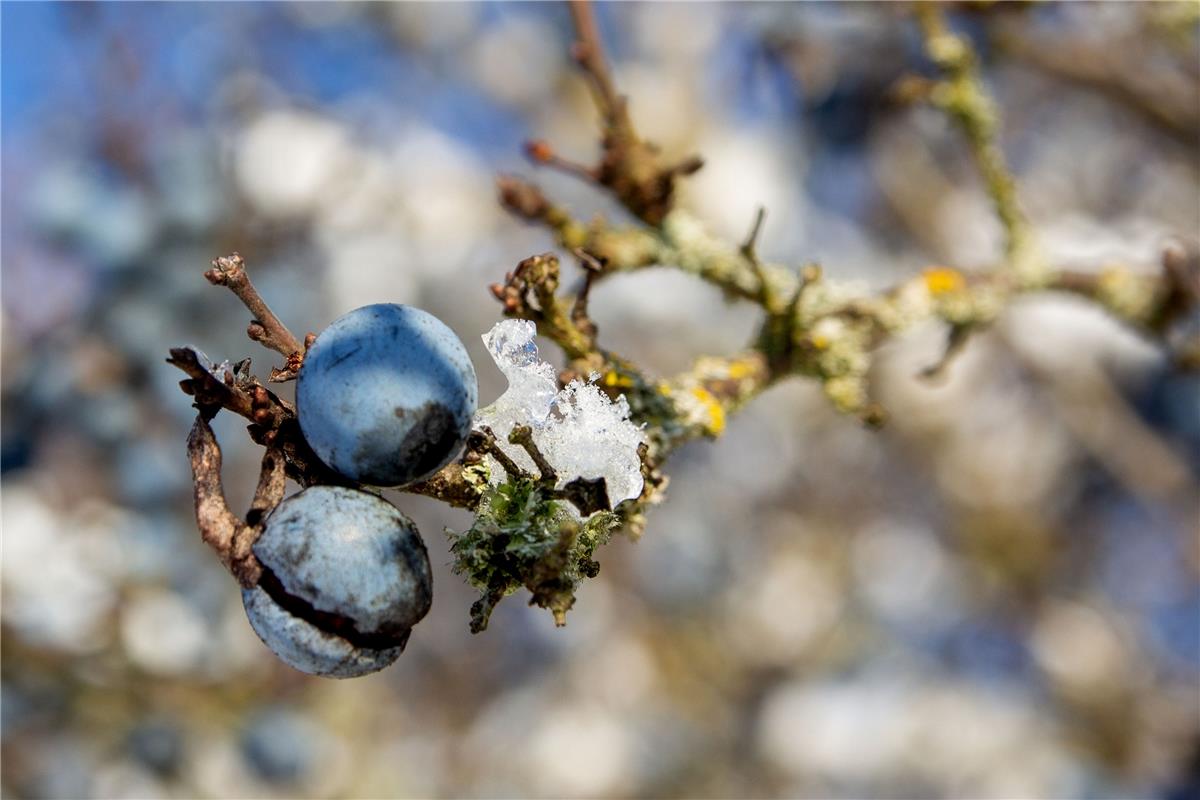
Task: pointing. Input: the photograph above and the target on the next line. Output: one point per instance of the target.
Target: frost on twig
(558, 460)
(580, 432)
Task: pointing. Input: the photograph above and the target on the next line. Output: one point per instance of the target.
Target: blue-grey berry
(345, 577)
(386, 394)
(281, 746)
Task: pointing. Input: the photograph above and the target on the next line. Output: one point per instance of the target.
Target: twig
(272, 481)
(522, 435)
(1127, 72)
(541, 152)
(752, 237)
(748, 251)
(265, 328)
(630, 168)
(220, 528)
(956, 340)
(593, 268)
(213, 393)
(484, 441)
(962, 95)
(588, 52)
(529, 291)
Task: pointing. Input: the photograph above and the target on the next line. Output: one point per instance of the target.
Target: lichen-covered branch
(962, 95)
(531, 292)
(531, 532)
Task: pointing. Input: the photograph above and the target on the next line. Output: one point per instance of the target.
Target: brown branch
(522, 435)
(541, 152)
(230, 537)
(629, 167)
(483, 441)
(588, 52)
(234, 391)
(272, 481)
(265, 328)
(273, 420)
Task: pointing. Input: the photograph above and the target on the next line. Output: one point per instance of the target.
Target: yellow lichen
(739, 370)
(715, 424)
(614, 378)
(941, 281)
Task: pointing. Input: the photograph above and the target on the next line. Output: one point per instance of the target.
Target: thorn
(752, 238)
(956, 339)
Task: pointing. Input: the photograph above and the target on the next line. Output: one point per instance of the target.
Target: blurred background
(998, 595)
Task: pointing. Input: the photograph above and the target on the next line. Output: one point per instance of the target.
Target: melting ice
(578, 429)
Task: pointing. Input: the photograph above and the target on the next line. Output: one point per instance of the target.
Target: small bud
(539, 150)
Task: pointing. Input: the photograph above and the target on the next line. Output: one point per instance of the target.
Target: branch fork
(231, 537)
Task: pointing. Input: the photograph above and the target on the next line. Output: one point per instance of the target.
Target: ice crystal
(580, 431)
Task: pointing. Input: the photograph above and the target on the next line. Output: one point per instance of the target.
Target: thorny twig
(750, 253)
(820, 331)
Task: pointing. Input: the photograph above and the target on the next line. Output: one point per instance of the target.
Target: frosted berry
(345, 577)
(386, 394)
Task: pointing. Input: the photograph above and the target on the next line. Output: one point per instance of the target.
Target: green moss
(523, 538)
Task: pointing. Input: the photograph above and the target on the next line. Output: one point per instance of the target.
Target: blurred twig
(961, 94)
(1127, 72)
(629, 166)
